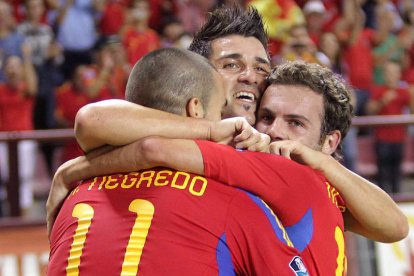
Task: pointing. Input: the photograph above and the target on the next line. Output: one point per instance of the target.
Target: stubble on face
(243, 64)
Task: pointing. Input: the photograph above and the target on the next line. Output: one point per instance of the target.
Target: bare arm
(372, 212)
(117, 123)
(29, 71)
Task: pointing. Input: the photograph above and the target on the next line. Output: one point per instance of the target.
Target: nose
(277, 131)
(250, 76)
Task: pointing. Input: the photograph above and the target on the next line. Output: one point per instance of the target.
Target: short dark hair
(338, 110)
(227, 21)
(166, 79)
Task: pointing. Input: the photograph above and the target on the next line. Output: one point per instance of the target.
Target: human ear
(331, 142)
(195, 108)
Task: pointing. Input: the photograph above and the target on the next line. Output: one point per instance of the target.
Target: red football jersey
(137, 44)
(397, 133)
(16, 110)
(308, 206)
(164, 222)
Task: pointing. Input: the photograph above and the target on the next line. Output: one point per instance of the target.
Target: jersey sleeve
(269, 176)
(258, 241)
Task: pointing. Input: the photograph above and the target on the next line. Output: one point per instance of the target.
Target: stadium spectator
(299, 46)
(391, 45)
(74, 22)
(315, 12)
(10, 40)
(16, 114)
(113, 17)
(391, 98)
(46, 58)
(358, 42)
(108, 74)
(137, 37)
(193, 13)
(70, 97)
(174, 34)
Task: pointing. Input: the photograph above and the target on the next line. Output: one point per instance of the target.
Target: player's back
(308, 206)
(163, 222)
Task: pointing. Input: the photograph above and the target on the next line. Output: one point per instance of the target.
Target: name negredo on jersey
(196, 185)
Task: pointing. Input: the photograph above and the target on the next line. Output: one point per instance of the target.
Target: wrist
(325, 164)
(211, 128)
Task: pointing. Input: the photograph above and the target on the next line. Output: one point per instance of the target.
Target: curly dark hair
(225, 21)
(335, 91)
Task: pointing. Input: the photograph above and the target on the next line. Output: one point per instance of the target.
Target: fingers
(281, 148)
(252, 140)
(262, 144)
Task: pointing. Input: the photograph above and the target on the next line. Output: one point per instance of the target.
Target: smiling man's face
(244, 64)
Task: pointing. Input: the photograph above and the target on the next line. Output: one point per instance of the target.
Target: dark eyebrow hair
(262, 60)
(239, 56)
(289, 116)
(295, 116)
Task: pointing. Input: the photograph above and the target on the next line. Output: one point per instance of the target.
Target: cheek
(260, 127)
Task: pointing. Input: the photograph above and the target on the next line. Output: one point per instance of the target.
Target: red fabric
(16, 110)
(408, 75)
(19, 11)
(391, 134)
(113, 18)
(332, 13)
(115, 84)
(68, 102)
(292, 191)
(138, 44)
(158, 12)
(188, 227)
(360, 62)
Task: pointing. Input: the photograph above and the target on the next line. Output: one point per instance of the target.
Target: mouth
(248, 97)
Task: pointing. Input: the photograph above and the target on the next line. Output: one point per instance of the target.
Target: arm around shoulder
(118, 122)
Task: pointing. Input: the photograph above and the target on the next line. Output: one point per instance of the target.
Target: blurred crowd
(58, 55)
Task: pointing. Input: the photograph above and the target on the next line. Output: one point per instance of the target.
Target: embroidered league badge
(298, 267)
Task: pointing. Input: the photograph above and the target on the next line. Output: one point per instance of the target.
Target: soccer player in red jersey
(238, 56)
(308, 205)
(161, 221)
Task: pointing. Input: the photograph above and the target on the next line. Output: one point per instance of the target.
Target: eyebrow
(295, 116)
(239, 56)
(289, 116)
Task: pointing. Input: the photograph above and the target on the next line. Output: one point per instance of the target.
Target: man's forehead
(237, 45)
(296, 96)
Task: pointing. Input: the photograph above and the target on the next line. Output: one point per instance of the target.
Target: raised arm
(118, 122)
(371, 212)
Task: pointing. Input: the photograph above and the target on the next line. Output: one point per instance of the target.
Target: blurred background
(62, 54)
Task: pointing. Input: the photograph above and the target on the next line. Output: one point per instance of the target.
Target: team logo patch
(298, 267)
